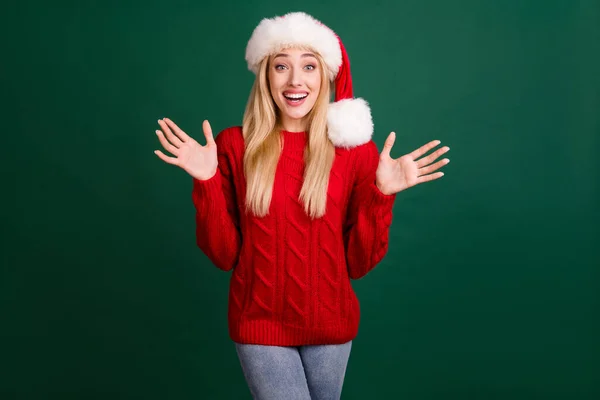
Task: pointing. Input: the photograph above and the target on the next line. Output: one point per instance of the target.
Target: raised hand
(197, 160)
(395, 175)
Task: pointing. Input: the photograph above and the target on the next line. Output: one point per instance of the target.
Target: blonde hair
(261, 127)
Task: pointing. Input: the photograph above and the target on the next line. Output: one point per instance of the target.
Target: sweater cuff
(208, 187)
(377, 199)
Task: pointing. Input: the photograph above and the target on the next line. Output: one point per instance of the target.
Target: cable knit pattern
(291, 275)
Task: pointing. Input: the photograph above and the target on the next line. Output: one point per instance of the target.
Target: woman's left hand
(395, 175)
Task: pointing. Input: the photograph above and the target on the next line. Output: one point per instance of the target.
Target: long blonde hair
(261, 127)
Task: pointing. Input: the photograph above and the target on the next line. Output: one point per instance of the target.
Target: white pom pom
(349, 122)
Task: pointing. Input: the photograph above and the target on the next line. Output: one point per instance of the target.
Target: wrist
(205, 177)
(383, 189)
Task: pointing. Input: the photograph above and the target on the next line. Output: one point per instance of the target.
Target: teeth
(295, 96)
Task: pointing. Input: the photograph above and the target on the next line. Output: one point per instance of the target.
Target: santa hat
(349, 121)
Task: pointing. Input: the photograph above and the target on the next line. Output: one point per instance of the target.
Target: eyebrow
(303, 55)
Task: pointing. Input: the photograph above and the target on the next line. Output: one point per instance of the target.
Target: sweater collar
(293, 140)
(345, 141)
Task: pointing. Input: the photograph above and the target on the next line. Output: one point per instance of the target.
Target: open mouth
(295, 98)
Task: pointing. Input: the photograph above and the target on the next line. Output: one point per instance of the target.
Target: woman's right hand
(197, 160)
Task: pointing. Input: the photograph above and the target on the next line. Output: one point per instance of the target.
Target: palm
(197, 160)
(194, 158)
(395, 175)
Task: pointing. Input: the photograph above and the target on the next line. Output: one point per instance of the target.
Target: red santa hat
(349, 121)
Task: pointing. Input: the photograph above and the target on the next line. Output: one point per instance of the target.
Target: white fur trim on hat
(297, 28)
(349, 122)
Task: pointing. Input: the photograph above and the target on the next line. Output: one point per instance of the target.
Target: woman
(296, 202)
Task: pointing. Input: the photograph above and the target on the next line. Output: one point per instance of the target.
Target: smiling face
(294, 81)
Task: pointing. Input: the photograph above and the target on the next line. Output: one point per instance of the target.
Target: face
(295, 81)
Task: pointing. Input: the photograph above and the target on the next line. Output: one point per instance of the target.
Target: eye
(279, 65)
(312, 67)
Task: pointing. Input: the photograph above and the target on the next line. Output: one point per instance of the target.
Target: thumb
(208, 132)
(389, 142)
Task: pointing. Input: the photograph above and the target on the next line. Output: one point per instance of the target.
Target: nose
(295, 77)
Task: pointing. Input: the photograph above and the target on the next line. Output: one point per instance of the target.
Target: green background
(490, 289)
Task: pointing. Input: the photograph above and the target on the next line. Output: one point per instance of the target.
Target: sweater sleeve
(217, 219)
(369, 217)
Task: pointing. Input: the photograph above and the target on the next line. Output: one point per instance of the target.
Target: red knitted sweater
(290, 284)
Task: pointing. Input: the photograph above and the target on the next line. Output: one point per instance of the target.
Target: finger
(430, 177)
(180, 134)
(387, 146)
(433, 167)
(172, 138)
(424, 149)
(167, 159)
(430, 158)
(168, 146)
(208, 132)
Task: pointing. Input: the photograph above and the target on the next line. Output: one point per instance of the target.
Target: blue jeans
(294, 372)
